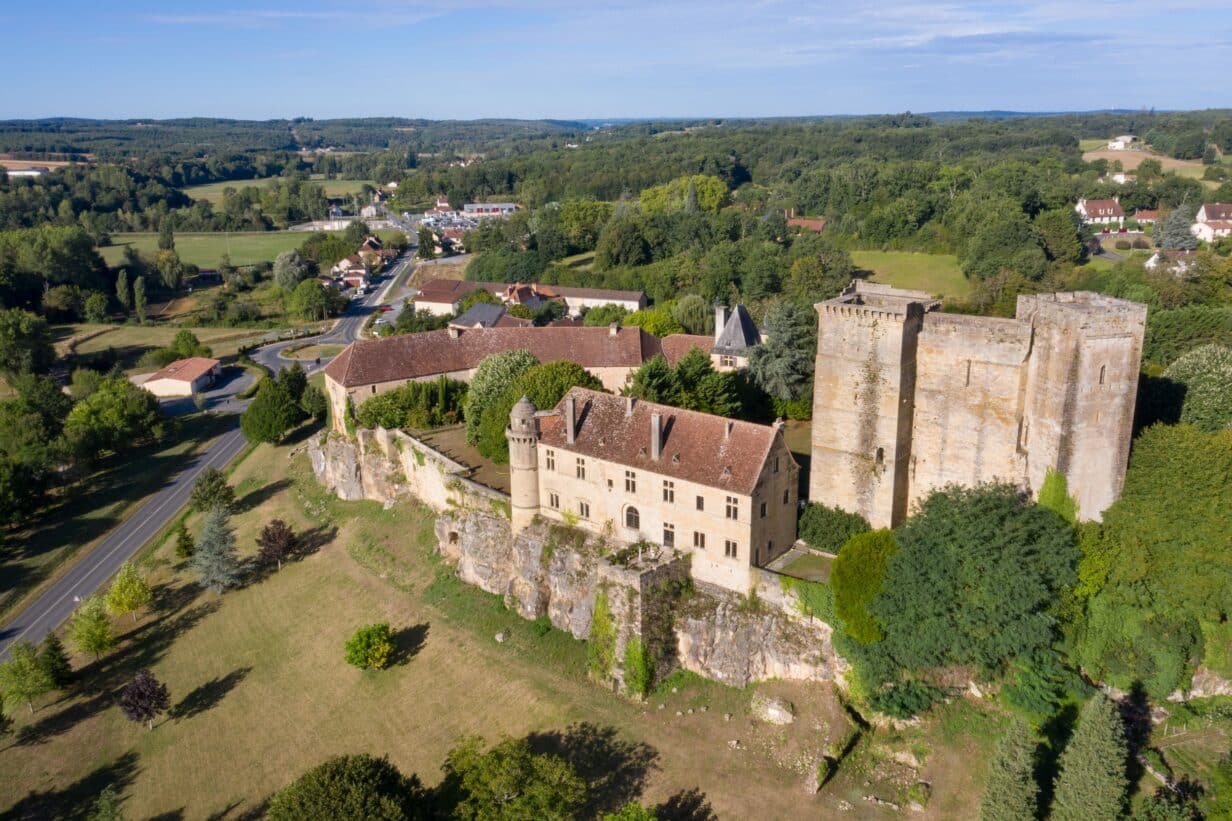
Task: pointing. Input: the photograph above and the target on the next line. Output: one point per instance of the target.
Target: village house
(183, 377)
(1101, 212)
(487, 315)
(722, 490)
(489, 209)
(735, 333)
(1213, 221)
(443, 297)
(1144, 216)
(1122, 143)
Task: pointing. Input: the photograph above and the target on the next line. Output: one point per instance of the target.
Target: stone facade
(614, 480)
(908, 399)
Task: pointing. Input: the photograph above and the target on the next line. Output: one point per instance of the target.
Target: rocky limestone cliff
(720, 637)
(350, 475)
(534, 573)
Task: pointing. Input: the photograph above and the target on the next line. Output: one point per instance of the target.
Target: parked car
(384, 308)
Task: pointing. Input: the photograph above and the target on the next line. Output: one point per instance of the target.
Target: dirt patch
(1131, 159)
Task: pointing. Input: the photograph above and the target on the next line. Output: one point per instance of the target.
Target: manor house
(722, 490)
(908, 399)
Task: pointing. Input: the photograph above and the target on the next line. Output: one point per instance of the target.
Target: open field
(84, 512)
(938, 274)
(1130, 160)
(212, 192)
(205, 249)
(260, 692)
(130, 341)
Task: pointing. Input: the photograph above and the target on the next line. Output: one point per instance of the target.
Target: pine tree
(22, 677)
(139, 298)
(184, 545)
(129, 592)
(1092, 783)
(89, 630)
(144, 698)
(1011, 793)
(55, 661)
(107, 806)
(1176, 234)
(214, 559)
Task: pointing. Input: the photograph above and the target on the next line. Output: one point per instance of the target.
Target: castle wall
(864, 386)
(969, 398)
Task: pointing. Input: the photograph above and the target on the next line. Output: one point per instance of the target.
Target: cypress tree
(1092, 783)
(1011, 793)
(54, 661)
(214, 559)
(124, 294)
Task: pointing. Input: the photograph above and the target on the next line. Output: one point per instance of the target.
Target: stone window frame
(632, 518)
(553, 500)
(669, 534)
(733, 508)
(581, 467)
(701, 502)
(727, 361)
(699, 540)
(583, 509)
(549, 459)
(763, 510)
(731, 549)
(630, 481)
(669, 490)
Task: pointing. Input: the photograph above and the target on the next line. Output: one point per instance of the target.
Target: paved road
(94, 569)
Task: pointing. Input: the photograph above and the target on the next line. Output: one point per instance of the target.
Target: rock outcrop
(720, 637)
(335, 463)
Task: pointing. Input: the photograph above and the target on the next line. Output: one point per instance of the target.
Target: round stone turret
(523, 437)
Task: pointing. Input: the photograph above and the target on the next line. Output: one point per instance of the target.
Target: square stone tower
(863, 400)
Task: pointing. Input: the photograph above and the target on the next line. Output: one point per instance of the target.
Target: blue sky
(633, 58)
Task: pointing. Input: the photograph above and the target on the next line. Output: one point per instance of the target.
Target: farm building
(183, 377)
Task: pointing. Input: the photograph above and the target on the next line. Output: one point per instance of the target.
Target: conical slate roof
(738, 334)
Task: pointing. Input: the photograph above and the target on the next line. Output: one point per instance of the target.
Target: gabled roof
(481, 314)
(451, 290)
(696, 447)
(1216, 211)
(1103, 208)
(185, 370)
(413, 356)
(738, 334)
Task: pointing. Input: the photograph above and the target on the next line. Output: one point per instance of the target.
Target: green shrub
(1122, 245)
(1054, 495)
(639, 668)
(420, 405)
(1206, 373)
(544, 385)
(601, 649)
(816, 598)
(906, 699)
(371, 647)
(856, 579)
(1172, 333)
(828, 528)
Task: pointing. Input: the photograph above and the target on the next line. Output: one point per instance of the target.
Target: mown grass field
(206, 249)
(260, 691)
(212, 192)
(938, 274)
(129, 342)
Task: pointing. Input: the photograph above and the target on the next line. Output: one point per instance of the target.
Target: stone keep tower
(863, 400)
(523, 437)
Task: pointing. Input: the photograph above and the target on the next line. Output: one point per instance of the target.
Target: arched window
(1103, 372)
(880, 457)
(632, 519)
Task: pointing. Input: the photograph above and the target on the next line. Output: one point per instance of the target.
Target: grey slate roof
(480, 314)
(738, 334)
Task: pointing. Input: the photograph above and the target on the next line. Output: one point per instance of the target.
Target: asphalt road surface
(94, 569)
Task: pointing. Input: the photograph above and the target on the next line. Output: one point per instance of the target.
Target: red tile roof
(803, 222)
(1102, 208)
(1146, 214)
(413, 356)
(451, 290)
(185, 370)
(697, 447)
(677, 345)
(1217, 211)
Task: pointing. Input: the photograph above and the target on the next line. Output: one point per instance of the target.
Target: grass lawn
(937, 274)
(314, 351)
(206, 249)
(131, 341)
(812, 566)
(212, 192)
(260, 692)
(84, 512)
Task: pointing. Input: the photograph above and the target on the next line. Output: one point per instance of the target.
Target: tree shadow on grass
(686, 805)
(206, 696)
(613, 768)
(77, 799)
(256, 498)
(61, 721)
(407, 643)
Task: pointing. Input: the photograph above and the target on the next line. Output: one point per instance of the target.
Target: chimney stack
(720, 320)
(727, 429)
(656, 436)
(613, 329)
(454, 332)
(570, 416)
(629, 406)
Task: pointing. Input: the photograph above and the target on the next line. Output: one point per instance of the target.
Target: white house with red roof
(1213, 221)
(1101, 212)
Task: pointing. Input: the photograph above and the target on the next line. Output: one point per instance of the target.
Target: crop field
(206, 249)
(212, 192)
(938, 274)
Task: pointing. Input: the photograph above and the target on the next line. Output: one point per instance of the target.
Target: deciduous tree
(211, 490)
(495, 374)
(277, 542)
(25, 343)
(272, 413)
(144, 699)
(129, 592)
(351, 786)
(22, 677)
(512, 781)
(857, 576)
(370, 647)
(89, 629)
